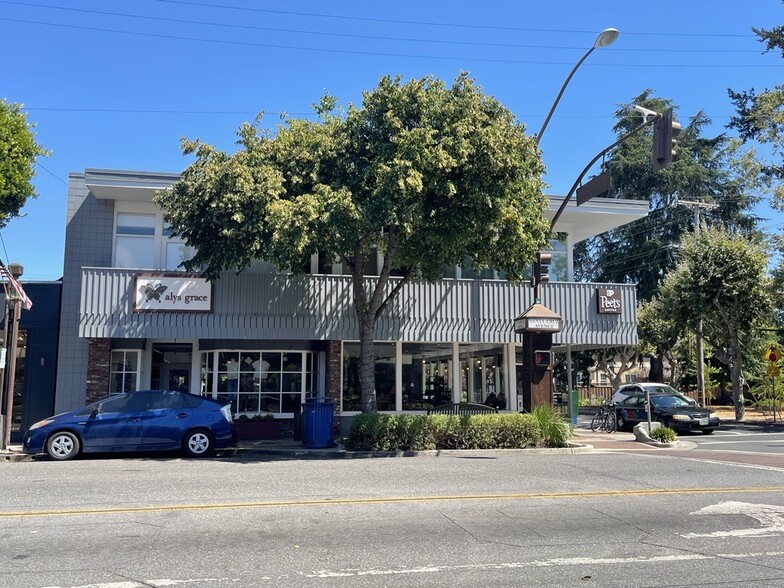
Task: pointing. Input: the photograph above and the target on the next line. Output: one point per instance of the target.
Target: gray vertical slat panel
(264, 306)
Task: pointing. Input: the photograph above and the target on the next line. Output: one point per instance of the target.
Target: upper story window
(142, 240)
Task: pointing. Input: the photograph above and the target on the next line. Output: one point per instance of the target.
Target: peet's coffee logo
(608, 301)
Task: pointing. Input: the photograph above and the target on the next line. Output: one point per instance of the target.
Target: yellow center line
(386, 500)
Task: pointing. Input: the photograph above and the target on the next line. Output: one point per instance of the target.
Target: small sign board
(172, 294)
(608, 301)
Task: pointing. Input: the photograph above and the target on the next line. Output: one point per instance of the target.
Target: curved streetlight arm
(558, 98)
(594, 160)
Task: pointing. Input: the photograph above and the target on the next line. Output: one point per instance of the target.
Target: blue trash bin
(318, 414)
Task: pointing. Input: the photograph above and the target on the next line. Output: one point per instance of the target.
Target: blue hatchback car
(147, 420)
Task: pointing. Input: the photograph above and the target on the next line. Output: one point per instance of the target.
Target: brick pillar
(333, 377)
(99, 354)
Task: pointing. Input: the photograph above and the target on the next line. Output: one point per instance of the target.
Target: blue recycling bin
(318, 414)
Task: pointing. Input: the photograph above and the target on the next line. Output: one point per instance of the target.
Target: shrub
(555, 430)
(663, 435)
(376, 432)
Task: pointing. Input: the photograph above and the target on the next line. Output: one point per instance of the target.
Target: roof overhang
(596, 216)
(133, 186)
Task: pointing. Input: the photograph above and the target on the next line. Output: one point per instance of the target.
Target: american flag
(27, 304)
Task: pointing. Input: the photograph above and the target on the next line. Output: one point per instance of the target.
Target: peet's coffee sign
(161, 293)
(608, 301)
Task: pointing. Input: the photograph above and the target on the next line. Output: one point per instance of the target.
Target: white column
(456, 372)
(398, 376)
(511, 376)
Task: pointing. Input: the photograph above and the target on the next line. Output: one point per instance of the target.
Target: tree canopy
(720, 279)
(18, 153)
(426, 174)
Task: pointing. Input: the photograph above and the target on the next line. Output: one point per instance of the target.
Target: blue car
(147, 420)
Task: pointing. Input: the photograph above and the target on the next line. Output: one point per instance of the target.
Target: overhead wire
(362, 36)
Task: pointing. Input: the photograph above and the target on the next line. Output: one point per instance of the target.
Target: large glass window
(258, 382)
(124, 371)
(385, 376)
(427, 375)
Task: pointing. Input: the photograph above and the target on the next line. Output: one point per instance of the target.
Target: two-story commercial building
(267, 339)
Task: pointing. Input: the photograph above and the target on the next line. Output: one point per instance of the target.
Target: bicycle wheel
(597, 421)
(611, 423)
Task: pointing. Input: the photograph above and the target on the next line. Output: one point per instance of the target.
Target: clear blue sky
(116, 84)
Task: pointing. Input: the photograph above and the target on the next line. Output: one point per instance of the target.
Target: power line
(364, 37)
(378, 53)
(441, 24)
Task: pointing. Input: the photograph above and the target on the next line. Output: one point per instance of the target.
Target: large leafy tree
(427, 174)
(18, 154)
(721, 280)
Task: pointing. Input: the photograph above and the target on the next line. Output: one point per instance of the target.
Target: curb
(341, 453)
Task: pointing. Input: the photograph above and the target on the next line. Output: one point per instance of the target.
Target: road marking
(770, 517)
(387, 500)
(774, 441)
(439, 569)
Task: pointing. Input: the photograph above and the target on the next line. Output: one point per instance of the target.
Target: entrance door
(171, 367)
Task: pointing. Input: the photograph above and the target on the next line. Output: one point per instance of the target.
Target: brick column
(99, 354)
(333, 377)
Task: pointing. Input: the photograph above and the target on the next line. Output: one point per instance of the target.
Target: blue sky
(116, 84)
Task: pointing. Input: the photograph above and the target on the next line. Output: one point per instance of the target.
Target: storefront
(269, 340)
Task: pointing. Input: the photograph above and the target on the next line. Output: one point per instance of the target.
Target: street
(475, 519)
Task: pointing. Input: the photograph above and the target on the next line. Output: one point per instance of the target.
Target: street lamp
(604, 39)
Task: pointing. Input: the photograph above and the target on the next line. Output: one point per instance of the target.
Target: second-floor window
(143, 240)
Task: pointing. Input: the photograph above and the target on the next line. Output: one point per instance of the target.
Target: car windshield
(671, 401)
(661, 389)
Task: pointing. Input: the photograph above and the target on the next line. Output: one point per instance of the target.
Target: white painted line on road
(734, 442)
(769, 516)
(719, 462)
(358, 573)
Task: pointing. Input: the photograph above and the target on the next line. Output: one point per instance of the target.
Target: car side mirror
(94, 413)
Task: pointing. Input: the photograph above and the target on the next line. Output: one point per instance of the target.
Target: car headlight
(681, 417)
(40, 424)
(713, 415)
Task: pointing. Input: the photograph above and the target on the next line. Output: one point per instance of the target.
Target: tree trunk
(656, 370)
(737, 389)
(367, 366)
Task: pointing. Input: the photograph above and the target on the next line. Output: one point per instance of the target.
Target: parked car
(626, 390)
(147, 420)
(672, 409)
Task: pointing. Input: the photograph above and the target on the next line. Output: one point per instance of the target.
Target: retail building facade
(269, 339)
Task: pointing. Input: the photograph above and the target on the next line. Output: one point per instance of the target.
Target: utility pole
(700, 350)
(17, 297)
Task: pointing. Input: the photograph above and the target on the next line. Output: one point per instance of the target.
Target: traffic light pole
(601, 154)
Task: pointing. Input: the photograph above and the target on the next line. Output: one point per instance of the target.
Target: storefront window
(427, 375)
(258, 382)
(385, 376)
(124, 371)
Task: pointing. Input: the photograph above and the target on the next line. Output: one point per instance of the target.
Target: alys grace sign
(167, 293)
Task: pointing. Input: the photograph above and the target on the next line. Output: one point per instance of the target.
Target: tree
(18, 153)
(720, 279)
(425, 174)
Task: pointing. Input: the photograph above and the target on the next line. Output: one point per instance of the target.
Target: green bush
(663, 435)
(395, 432)
(555, 430)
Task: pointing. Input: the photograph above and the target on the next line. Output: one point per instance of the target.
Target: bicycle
(604, 419)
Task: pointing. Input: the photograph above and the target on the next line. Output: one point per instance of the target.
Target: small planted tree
(426, 174)
(720, 278)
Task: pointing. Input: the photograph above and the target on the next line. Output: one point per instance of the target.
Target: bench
(462, 409)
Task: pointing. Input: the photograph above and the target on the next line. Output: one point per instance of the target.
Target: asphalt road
(473, 519)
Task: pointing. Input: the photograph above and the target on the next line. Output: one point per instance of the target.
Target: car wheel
(63, 445)
(198, 443)
(621, 423)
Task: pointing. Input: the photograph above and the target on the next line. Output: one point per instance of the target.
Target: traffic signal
(665, 131)
(541, 269)
(543, 358)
